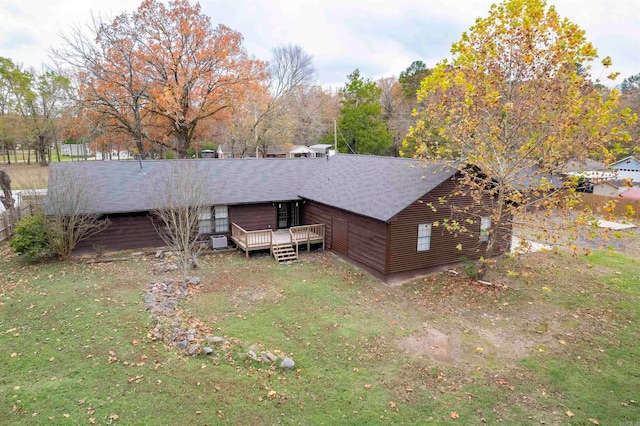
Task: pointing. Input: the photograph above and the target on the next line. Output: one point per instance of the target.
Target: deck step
(284, 253)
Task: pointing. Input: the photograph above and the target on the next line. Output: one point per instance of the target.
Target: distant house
(75, 150)
(632, 194)
(628, 168)
(114, 154)
(610, 188)
(381, 213)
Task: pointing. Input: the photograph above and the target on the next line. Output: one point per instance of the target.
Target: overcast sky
(380, 37)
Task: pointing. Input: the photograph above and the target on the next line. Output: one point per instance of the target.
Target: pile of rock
(162, 299)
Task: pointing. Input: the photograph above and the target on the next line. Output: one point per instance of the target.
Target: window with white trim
(204, 221)
(221, 219)
(424, 237)
(485, 226)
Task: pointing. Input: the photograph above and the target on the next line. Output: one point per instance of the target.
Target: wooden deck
(274, 240)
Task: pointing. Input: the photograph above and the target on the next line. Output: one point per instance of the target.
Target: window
(204, 221)
(221, 219)
(424, 237)
(485, 226)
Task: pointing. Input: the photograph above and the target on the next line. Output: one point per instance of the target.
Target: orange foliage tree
(158, 73)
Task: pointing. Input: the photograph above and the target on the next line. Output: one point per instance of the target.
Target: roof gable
(625, 163)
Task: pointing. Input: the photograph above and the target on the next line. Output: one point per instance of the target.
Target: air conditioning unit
(218, 242)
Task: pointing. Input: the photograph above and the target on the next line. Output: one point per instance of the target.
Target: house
(75, 150)
(628, 168)
(610, 187)
(632, 194)
(381, 213)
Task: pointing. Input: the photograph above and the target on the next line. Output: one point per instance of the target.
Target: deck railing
(294, 241)
(309, 234)
(251, 239)
(266, 238)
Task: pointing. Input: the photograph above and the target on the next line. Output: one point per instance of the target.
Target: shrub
(31, 239)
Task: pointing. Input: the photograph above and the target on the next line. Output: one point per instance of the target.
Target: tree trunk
(42, 150)
(7, 200)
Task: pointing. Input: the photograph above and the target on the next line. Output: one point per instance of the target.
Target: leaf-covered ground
(555, 340)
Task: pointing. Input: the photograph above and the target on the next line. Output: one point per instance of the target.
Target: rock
(138, 253)
(159, 254)
(193, 280)
(207, 350)
(214, 339)
(150, 298)
(287, 363)
(193, 349)
(268, 357)
(182, 344)
(252, 355)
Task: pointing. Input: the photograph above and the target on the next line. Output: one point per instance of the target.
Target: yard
(27, 176)
(554, 341)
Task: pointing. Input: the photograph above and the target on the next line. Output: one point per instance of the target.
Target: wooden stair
(284, 253)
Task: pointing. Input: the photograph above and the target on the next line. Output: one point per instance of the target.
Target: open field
(22, 176)
(555, 341)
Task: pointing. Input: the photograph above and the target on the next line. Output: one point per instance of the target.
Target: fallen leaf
(562, 342)
(92, 420)
(569, 413)
(114, 417)
(367, 386)
(594, 421)
(454, 415)
(392, 404)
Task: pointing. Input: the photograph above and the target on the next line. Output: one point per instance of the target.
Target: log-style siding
(252, 217)
(125, 231)
(365, 242)
(403, 234)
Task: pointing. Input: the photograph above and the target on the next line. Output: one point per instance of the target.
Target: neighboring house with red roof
(382, 213)
(632, 194)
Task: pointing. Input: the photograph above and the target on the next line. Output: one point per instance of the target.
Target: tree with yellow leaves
(517, 103)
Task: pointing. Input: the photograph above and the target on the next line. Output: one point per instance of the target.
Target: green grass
(75, 347)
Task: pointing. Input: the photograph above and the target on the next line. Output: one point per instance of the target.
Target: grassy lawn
(24, 176)
(556, 340)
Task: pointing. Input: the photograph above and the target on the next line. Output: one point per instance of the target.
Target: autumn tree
(513, 104)
(112, 88)
(362, 130)
(161, 71)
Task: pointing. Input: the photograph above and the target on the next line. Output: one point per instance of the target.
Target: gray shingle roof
(378, 187)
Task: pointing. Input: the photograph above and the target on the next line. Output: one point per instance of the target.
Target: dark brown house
(382, 213)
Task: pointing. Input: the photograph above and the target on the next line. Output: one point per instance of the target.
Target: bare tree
(181, 194)
(71, 215)
(291, 71)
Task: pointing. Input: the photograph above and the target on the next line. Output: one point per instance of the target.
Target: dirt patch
(433, 343)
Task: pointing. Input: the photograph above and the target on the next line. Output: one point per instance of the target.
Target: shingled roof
(378, 187)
